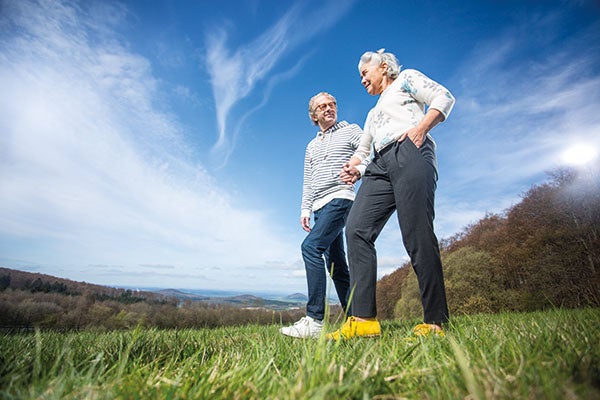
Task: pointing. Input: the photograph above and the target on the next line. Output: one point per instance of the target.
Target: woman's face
(373, 77)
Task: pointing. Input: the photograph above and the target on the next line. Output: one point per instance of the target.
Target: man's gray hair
(379, 57)
(311, 106)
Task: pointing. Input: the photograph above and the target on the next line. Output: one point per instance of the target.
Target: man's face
(325, 111)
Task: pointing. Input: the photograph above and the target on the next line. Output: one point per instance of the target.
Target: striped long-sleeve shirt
(323, 161)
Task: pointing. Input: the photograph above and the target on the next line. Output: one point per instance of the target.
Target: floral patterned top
(400, 107)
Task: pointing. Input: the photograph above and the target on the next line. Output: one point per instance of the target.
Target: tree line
(31, 300)
(543, 252)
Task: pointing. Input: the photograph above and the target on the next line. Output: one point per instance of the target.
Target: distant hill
(243, 300)
(181, 295)
(297, 297)
(35, 282)
(29, 300)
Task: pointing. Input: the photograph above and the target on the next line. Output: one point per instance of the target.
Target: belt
(385, 148)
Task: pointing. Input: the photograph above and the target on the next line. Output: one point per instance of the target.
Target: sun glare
(579, 154)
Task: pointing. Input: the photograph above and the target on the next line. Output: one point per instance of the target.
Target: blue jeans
(326, 239)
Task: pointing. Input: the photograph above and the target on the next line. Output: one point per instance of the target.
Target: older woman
(401, 177)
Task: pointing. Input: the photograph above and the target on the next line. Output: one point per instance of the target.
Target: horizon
(218, 292)
(164, 145)
(262, 293)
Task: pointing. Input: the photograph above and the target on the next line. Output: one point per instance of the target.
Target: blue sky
(160, 143)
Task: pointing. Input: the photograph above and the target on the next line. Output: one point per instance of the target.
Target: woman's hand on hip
(418, 133)
(415, 135)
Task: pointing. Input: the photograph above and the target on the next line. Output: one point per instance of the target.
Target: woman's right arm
(349, 172)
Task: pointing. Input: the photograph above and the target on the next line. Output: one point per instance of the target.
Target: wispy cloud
(235, 72)
(93, 169)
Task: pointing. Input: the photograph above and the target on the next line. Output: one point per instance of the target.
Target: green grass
(544, 355)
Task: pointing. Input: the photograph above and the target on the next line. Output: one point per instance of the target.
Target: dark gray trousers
(400, 178)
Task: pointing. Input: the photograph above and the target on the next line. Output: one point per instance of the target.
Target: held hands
(349, 174)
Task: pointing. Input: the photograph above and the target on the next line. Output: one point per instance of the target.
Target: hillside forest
(541, 253)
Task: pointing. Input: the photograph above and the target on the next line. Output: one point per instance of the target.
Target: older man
(329, 199)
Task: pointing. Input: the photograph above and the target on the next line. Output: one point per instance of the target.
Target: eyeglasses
(323, 107)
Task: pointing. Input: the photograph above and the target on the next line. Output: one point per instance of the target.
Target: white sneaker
(307, 327)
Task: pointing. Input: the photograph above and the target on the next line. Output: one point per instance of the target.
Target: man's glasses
(323, 107)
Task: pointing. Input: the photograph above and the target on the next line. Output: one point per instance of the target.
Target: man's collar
(332, 128)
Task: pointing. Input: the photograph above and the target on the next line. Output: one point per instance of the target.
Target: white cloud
(515, 115)
(235, 72)
(94, 170)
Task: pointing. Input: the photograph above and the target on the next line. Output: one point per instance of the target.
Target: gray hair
(311, 105)
(379, 57)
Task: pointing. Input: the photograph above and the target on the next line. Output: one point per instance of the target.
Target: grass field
(543, 355)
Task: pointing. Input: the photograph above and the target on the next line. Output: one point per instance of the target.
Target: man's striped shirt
(325, 155)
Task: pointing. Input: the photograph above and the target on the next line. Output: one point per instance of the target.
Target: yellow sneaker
(355, 328)
(426, 330)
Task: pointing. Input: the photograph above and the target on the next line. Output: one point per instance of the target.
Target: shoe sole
(301, 336)
(356, 337)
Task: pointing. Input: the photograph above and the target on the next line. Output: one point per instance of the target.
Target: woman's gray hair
(311, 106)
(379, 57)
